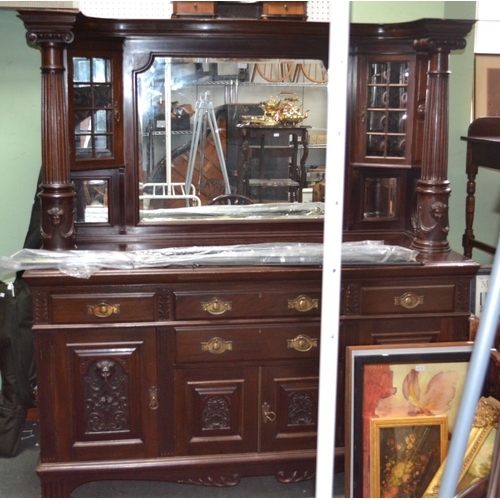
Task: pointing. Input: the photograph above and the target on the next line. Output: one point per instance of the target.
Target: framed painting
(479, 450)
(406, 454)
(487, 85)
(394, 382)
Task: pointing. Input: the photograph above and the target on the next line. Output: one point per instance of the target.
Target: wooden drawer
(246, 304)
(292, 9)
(194, 9)
(103, 308)
(407, 299)
(247, 343)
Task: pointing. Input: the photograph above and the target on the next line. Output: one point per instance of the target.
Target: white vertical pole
(334, 196)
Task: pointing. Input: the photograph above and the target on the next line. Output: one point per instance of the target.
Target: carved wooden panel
(216, 409)
(292, 396)
(113, 396)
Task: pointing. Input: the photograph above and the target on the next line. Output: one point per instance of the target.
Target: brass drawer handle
(216, 306)
(302, 343)
(103, 309)
(153, 398)
(303, 303)
(217, 346)
(267, 415)
(409, 300)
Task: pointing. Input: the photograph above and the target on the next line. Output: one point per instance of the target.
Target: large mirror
(225, 138)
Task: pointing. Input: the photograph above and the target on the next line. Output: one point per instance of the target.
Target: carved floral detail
(294, 476)
(301, 409)
(40, 307)
(163, 304)
(106, 397)
(487, 413)
(216, 414)
(352, 299)
(221, 481)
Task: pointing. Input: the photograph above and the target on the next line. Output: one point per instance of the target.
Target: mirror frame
(232, 39)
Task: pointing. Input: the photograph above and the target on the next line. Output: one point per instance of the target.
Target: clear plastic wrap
(84, 263)
(313, 210)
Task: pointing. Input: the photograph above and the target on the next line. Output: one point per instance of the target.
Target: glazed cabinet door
(289, 407)
(106, 406)
(96, 136)
(386, 155)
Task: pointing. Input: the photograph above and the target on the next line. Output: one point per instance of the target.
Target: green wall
(20, 131)
(20, 145)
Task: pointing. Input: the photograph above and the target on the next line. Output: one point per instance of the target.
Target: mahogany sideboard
(205, 375)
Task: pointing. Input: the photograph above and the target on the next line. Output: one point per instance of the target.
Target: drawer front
(407, 299)
(284, 9)
(247, 343)
(103, 308)
(238, 304)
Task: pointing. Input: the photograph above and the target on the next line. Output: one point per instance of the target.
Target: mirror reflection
(231, 138)
(91, 201)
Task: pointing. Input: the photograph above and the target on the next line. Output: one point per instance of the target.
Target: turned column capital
(51, 28)
(439, 44)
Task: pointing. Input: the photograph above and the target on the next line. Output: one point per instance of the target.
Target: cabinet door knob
(153, 398)
(116, 112)
(267, 414)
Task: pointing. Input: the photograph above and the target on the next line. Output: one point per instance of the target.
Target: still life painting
(396, 383)
(406, 453)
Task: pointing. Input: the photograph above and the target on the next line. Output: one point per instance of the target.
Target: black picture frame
(429, 357)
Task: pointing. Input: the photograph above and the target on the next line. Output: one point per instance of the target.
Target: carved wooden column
(51, 32)
(433, 190)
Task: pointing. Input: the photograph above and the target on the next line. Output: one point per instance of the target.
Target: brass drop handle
(302, 343)
(103, 309)
(303, 303)
(153, 398)
(217, 345)
(267, 414)
(216, 306)
(409, 300)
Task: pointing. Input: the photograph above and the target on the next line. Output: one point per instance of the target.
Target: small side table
(483, 150)
(268, 143)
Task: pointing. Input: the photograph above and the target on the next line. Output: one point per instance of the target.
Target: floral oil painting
(411, 391)
(406, 454)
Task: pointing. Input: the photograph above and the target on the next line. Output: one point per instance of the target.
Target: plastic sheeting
(84, 263)
(313, 210)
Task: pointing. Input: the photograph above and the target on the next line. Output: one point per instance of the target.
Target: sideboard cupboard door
(216, 410)
(107, 406)
(289, 407)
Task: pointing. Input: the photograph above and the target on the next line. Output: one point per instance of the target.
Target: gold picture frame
(406, 454)
(479, 451)
(376, 378)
